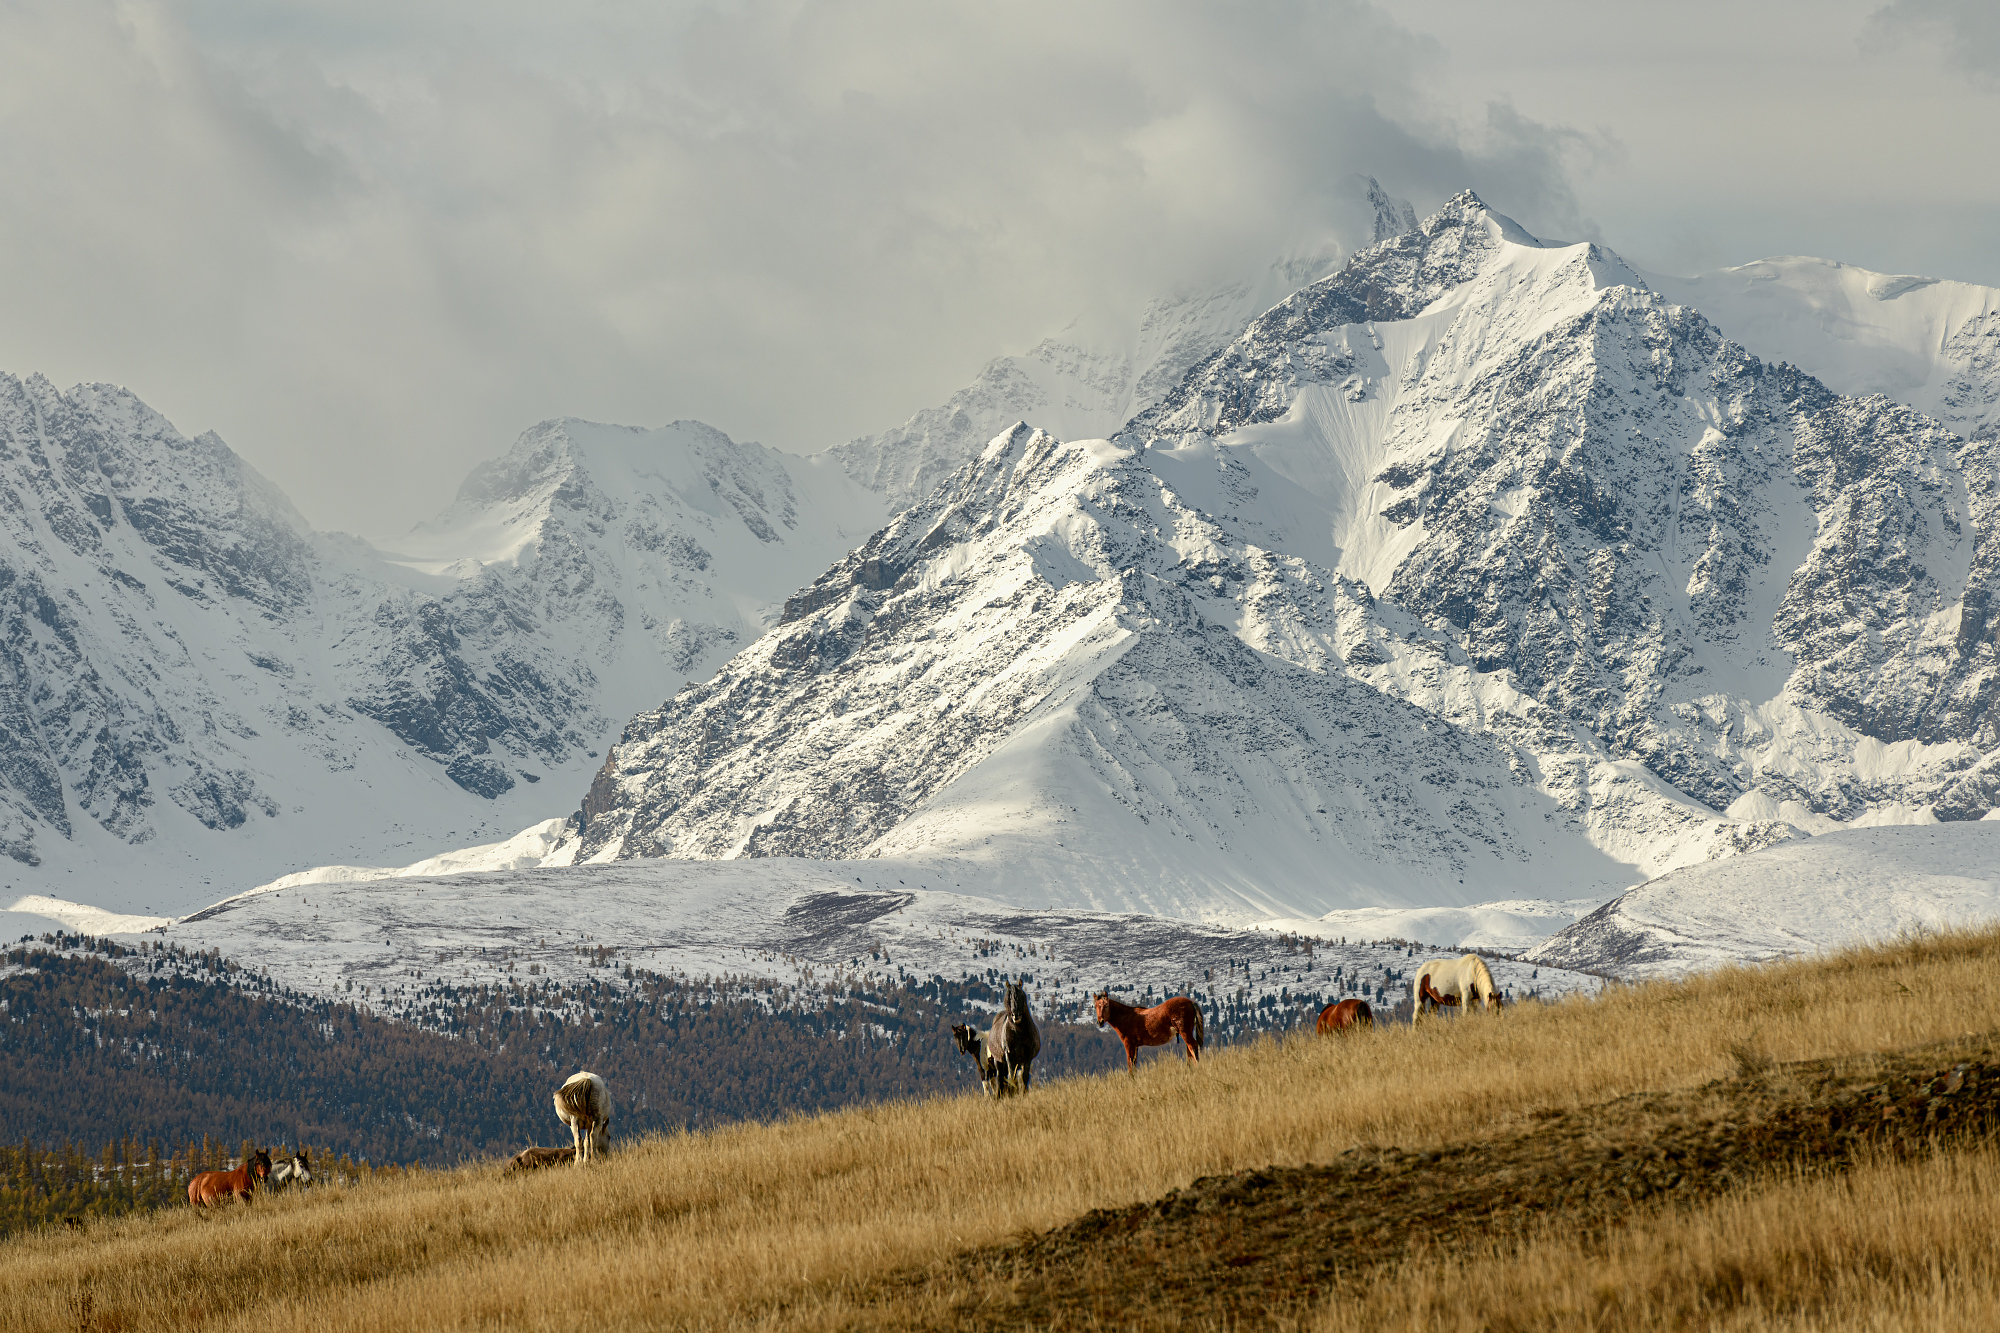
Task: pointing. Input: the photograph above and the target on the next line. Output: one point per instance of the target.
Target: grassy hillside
(1805, 1145)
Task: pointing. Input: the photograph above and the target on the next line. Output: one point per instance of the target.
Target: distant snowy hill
(1802, 897)
(1086, 382)
(394, 945)
(197, 691)
(1931, 343)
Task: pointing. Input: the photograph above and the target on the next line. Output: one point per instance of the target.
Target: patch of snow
(83, 919)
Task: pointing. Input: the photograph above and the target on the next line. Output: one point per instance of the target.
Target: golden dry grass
(796, 1225)
(1891, 1246)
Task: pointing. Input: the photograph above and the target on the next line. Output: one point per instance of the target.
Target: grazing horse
(212, 1187)
(1451, 982)
(534, 1159)
(972, 1041)
(1158, 1026)
(1345, 1016)
(293, 1170)
(583, 1103)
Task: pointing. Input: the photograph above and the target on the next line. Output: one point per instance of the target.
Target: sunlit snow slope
(1802, 897)
(1931, 343)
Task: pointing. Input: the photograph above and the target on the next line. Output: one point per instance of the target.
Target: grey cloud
(369, 243)
(1967, 31)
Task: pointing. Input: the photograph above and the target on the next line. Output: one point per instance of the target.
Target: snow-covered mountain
(198, 691)
(1807, 896)
(1474, 566)
(1476, 578)
(1087, 381)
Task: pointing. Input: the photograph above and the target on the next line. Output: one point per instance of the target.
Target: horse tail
(1199, 1038)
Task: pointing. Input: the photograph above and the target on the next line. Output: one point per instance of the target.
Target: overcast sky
(371, 241)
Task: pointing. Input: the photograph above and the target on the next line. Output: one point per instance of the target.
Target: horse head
(261, 1166)
(1103, 1002)
(967, 1037)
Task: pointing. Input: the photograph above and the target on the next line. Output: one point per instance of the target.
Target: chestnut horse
(1344, 1016)
(1158, 1026)
(212, 1187)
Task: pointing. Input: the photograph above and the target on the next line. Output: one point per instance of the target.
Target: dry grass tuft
(805, 1223)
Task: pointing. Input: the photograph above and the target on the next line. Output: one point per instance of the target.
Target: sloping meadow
(928, 1213)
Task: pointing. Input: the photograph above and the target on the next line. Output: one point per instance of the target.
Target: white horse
(584, 1104)
(1452, 982)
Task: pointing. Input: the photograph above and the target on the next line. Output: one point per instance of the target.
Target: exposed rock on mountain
(1713, 566)
(1039, 656)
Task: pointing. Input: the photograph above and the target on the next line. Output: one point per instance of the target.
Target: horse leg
(1131, 1054)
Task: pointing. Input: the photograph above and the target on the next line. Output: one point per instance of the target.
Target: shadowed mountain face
(1601, 592)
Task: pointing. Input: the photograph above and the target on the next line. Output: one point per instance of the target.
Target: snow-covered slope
(1087, 381)
(389, 944)
(1802, 897)
(197, 691)
(1931, 343)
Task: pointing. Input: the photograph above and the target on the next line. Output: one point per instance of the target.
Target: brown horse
(1158, 1026)
(212, 1187)
(1345, 1016)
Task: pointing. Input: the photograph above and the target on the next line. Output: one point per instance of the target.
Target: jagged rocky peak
(1614, 508)
(1686, 601)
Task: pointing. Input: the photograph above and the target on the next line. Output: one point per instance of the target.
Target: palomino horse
(1451, 982)
(583, 1103)
(293, 1170)
(212, 1187)
(1345, 1016)
(1158, 1026)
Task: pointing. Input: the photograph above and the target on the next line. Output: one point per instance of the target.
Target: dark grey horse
(1006, 1051)
(1013, 1039)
